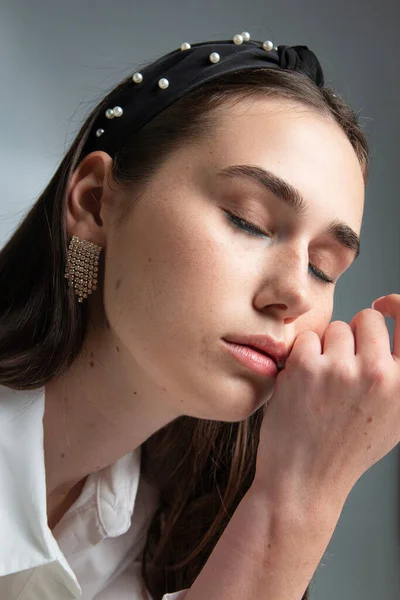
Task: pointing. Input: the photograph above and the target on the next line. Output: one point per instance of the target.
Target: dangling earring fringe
(82, 266)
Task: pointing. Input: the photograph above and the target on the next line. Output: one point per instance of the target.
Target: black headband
(175, 74)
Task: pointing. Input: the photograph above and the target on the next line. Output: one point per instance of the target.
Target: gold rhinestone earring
(82, 266)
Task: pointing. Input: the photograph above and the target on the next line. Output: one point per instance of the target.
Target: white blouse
(93, 553)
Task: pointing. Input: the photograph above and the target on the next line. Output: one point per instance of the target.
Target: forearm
(266, 552)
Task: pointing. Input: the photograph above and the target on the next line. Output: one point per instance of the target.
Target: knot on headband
(300, 58)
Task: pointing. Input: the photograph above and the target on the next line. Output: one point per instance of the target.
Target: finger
(371, 335)
(338, 340)
(307, 344)
(389, 306)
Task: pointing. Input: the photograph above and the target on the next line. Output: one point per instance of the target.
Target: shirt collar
(22, 473)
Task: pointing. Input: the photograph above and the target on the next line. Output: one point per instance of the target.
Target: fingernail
(377, 300)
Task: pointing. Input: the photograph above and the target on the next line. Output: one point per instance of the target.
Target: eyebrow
(285, 192)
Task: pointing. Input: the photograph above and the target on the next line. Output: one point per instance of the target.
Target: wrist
(294, 504)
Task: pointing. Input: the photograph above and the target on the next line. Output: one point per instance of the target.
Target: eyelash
(241, 223)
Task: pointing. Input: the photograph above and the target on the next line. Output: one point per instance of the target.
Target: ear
(88, 192)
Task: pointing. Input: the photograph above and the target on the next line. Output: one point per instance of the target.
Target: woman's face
(180, 275)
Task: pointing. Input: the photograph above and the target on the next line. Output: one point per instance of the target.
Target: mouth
(280, 363)
(258, 350)
(265, 345)
(252, 358)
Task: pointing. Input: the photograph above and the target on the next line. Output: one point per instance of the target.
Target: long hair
(202, 468)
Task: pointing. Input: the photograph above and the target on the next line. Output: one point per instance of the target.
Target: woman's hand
(335, 410)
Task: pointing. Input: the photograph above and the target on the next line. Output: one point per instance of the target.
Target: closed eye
(241, 223)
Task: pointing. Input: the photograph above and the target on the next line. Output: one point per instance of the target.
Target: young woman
(207, 206)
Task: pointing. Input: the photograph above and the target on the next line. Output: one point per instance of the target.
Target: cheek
(161, 279)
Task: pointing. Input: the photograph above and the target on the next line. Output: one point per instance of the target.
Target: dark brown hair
(202, 468)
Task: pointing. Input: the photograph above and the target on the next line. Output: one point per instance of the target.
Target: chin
(242, 409)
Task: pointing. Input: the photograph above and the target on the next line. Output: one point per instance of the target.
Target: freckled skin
(178, 277)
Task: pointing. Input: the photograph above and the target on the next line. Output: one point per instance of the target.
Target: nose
(287, 288)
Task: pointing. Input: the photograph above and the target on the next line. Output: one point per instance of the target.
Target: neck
(103, 407)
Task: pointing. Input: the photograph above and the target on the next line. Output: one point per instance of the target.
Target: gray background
(58, 58)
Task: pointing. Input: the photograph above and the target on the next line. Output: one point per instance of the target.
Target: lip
(253, 360)
(275, 349)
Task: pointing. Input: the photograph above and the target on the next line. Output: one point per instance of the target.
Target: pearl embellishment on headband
(214, 57)
(163, 83)
(268, 45)
(114, 112)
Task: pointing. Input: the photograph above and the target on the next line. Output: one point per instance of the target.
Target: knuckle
(342, 324)
(301, 360)
(338, 327)
(307, 371)
(308, 333)
(367, 313)
(344, 371)
(338, 330)
(375, 371)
